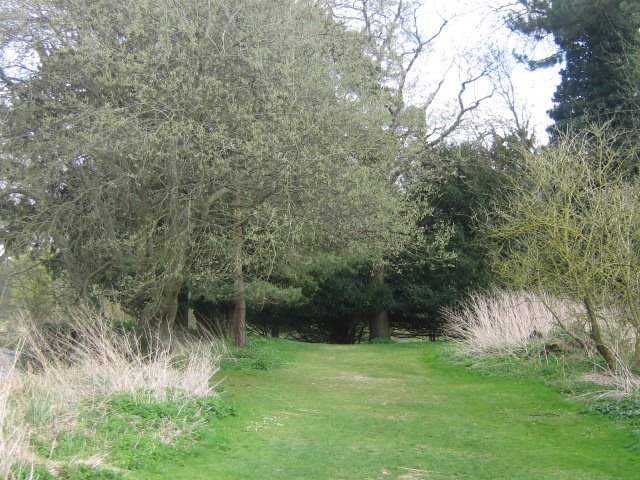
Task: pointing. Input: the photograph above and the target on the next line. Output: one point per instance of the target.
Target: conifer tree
(593, 39)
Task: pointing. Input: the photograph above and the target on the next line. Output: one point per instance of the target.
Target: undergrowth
(259, 353)
(520, 335)
(135, 428)
(97, 402)
(568, 372)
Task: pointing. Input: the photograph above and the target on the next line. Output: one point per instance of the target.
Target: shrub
(520, 324)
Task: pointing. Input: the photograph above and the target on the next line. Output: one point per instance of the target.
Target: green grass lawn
(399, 411)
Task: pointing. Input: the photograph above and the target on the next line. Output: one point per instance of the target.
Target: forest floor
(399, 411)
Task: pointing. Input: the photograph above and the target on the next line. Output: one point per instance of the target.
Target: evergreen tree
(593, 38)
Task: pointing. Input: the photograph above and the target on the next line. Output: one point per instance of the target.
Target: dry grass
(84, 362)
(499, 322)
(506, 323)
(14, 434)
(92, 359)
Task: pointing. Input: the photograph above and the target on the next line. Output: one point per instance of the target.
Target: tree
(456, 182)
(156, 144)
(396, 44)
(593, 38)
(570, 228)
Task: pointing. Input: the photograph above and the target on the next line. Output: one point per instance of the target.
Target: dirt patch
(355, 377)
(413, 475)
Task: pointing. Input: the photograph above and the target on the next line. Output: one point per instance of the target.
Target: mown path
(400, 412)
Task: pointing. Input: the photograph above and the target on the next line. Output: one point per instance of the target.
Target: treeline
(258, 162)
(225, 157)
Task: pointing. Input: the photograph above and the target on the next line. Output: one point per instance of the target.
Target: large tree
(593, 38)
(398, 45)
(154, 143)
(570, 227)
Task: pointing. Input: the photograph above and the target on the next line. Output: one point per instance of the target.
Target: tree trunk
(636, 354)
(379, 322)
(379, 326)
(275, 330)
(161, 318)
(240, 319)
(239, 301)
(182, 313)
(596, 335)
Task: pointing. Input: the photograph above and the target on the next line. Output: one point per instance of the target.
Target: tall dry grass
(15, 457)
(499, 322)
(508, 323)
(85, 361)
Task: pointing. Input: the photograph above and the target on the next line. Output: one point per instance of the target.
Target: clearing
(399, 411)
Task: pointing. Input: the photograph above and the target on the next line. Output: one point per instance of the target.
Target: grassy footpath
(400, 411)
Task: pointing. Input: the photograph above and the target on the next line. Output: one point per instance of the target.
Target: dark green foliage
(593, 39)
(618, 408)
(450, 186)
(336, 296)
(457, 182)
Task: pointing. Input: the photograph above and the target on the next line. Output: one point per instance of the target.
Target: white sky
(476, 30)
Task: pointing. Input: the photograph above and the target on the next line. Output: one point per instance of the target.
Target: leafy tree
(157, 144)
(397, 44)
(328, 298)
(458, 183)
(593, 38)
(570, 227)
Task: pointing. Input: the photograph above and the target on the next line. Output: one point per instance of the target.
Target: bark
(596, 335)
(182, 313)
(166, 310)
(379, 322)
(240, 319)
(379, 326)
(239, 301)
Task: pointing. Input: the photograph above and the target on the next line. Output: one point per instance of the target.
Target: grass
(523, 331)
(96, 402)
(258, 353)
(400, 411)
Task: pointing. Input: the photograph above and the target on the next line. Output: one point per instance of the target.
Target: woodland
(263, 168)
(261, 165)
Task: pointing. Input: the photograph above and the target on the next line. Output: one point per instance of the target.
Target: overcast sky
(476, 29)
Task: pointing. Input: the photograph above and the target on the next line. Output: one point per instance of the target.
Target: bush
(259, 354)
(517, 332)
(619, 408)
